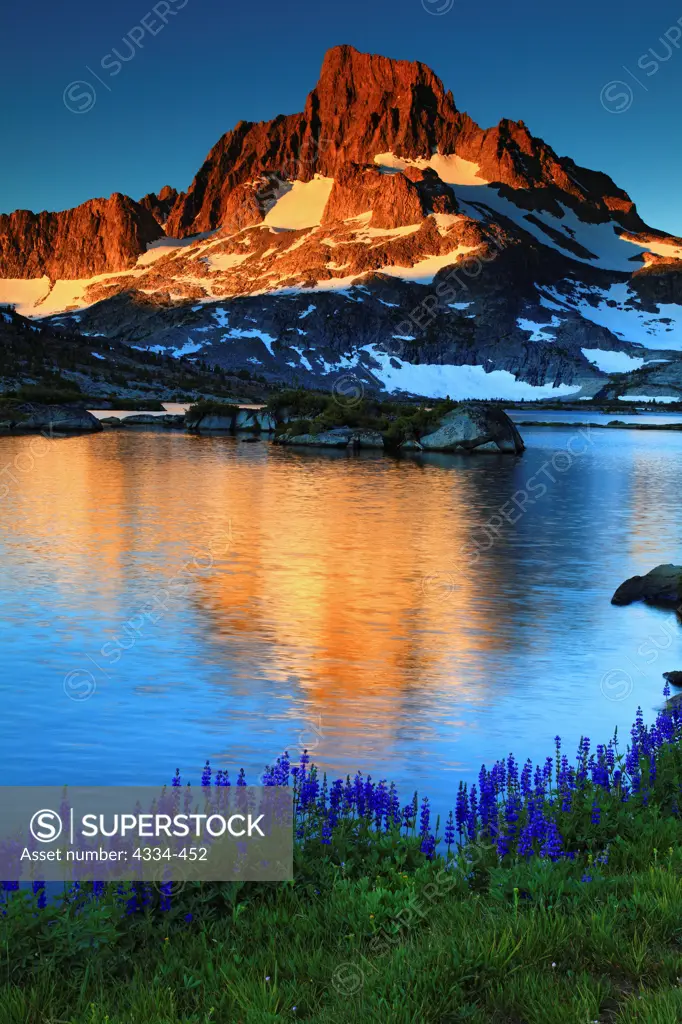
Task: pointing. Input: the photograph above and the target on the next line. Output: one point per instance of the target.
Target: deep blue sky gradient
(218, 61)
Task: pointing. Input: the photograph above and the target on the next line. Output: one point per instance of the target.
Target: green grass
(387, 937)
(48, 394)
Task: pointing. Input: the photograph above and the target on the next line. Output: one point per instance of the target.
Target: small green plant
(48, 394)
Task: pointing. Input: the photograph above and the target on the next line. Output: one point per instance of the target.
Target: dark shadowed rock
(338, 438)
(30, 418)
(674, 678)
(212, 421)
(661, 586)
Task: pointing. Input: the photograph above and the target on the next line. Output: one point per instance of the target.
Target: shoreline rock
(231, 421)
(469, 427)
(338, 437)
(662, 586)
(33, 418)
(168, 419)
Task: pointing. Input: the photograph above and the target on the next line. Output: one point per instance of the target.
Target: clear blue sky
(217, 61)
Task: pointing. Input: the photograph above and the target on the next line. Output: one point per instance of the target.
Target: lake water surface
(168, 598)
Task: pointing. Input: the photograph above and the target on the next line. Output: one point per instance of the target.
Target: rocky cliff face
(99, 236)
(160, 205)
(364, 105)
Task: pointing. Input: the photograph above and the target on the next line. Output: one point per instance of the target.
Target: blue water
(369, 608)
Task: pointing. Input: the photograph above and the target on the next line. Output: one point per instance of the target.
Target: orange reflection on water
(342, 571)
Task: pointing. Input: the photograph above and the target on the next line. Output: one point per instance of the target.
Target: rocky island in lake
(317, 421)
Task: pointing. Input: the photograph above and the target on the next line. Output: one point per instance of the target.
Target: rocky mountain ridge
(379, 233)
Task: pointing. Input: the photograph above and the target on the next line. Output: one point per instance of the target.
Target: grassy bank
(551, 895)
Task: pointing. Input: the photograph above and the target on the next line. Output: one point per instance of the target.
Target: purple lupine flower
(503, 845)
(596, 814)
(512, 773)
(428, 846)
(424, 817)
(461, 808)
(488, 801)
(553, 844)
(547, 770)
(394, 805)
(472, 816)
(39, 890)
(526, 774)
(176, 778)
(241, 778)
(166, 891)
(449, 834)
(498, 776)
(206, 775)
(525, 844)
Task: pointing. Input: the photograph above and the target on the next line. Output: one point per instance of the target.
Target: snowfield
(302, 206)
(612, 362)
(616, 309)
(458, 382)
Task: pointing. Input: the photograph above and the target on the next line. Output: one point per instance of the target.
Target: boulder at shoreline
(469, 427)
(221, 416)
(662, 586)
(33, 418)
(339, 437)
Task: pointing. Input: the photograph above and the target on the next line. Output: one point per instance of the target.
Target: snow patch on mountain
(612, 362)
(604, 244)
(424, 271)
(660, 247)
(226, 261)
(459, 382)
(537, 331)
(618, 310)
(188, 349)
(451, 169)
(302, 206)
(650, 398)
(238, 332)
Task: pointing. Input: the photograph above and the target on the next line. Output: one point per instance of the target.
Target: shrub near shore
(550, 896)
(306, 412)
